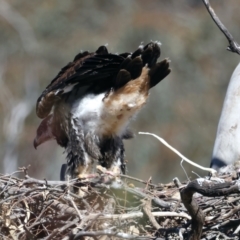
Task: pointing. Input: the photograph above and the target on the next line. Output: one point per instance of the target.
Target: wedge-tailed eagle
(87, 107)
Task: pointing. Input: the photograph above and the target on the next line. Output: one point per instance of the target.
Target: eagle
(87, 107)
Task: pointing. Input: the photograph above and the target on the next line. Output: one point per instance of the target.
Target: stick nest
(111, 207)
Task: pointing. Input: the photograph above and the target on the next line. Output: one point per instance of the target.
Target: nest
(106, 206)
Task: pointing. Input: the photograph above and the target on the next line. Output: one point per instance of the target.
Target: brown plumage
(88, 105)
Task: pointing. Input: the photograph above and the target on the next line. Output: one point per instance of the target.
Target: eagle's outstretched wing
(100, 69)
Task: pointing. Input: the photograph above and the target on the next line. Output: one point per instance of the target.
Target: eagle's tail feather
(159, 72)
(122, 78)
(151, 53)
(135, 67)
(138, 52)
(130, 70)
(102, 50)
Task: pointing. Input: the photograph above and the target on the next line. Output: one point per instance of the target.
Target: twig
(40, 215)
(6, 186)
(113, 234)
(68, 225)
(171, 214)
(231, 212)
(139, 180)
(181, 231)
(29, 235)
(62, 208)
(133, 215)
(177, 183)
(30, 180)
(147, 206)
(237, 230)
(75, 207)
(181, 164)
(212, 171)
(55, 232)
(86, 204)
(195, 212)
(91, 223)
(233, 45)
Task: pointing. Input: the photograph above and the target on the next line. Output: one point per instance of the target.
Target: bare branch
(113, 234)
(195, 212)
(212, 171)
(233, 45)
(147, 209)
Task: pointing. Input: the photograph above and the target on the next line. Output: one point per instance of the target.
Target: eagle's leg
(112, 150)
(79, 162)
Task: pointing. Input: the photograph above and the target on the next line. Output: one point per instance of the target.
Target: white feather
(227, 143)
(108, 116)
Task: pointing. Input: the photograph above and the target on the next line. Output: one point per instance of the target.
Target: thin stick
(212, 171)
(233, 45)
(181, 164)
(114, 234)
(133, 215)
(147, 206)
(138, 180)
(71, 200)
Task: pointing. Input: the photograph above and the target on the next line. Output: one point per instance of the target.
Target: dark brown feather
(122, 78)
(135, 67)
(159, 72)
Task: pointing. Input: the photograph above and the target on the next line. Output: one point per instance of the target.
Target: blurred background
(37, 38)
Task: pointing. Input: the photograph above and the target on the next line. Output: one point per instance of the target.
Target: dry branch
(212, 171)
(233, 45)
